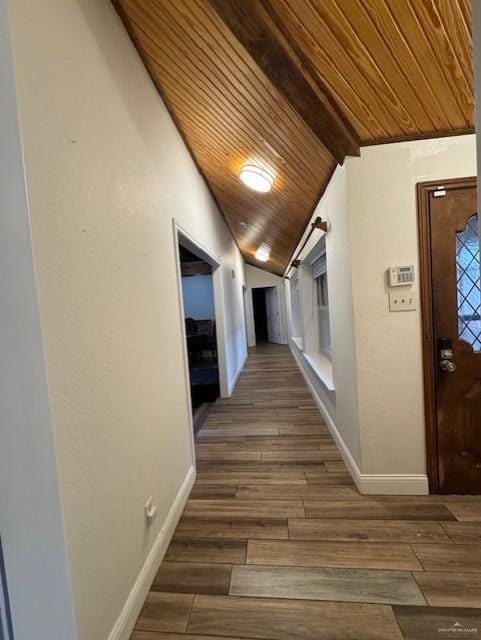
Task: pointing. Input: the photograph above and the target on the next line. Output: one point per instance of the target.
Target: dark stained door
(457, 336)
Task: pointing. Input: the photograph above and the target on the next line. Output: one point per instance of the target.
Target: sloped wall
(107, 172)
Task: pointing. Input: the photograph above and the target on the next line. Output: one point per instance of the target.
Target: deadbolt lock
(446, 355)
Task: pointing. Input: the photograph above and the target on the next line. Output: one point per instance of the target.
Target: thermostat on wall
(401, 276)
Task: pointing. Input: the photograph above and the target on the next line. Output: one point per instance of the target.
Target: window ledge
(298, 342)
(322, 366)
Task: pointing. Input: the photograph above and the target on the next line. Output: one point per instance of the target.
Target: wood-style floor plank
(376, 510)
(262, 467)
(302, 429)
(270, 528)
(331, 477)
(244, 508)
(213, 491)
(150, 635)
(307, 553)
(449, 557)
(463, 532)
(295, 492)
(433, 623)
(246, 477)
(184, 549)
(276, 543)
(450, 589)
(237, 430)
(165, 612)
(287, 444)
(465, 511)
(301, 456)
(229, 456)
(344, 585)
(268, 619)
(336, 466)
(367, 530)
(192, 577)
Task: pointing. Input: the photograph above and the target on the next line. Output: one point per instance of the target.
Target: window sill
(298, 342)
(322, 366)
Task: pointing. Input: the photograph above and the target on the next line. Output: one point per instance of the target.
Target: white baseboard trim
(345, 453)
(125, 623)
(396, 484)
(233, 383)
(367, 484)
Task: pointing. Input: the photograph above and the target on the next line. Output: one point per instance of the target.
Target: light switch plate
(402, 301)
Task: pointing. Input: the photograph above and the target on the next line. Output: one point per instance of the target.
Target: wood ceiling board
(393, 67)
(419, 38)
(254, 27)
(356, 97)
(389, 70)
(231, 114)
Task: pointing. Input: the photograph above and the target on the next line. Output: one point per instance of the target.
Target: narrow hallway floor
(276, 543)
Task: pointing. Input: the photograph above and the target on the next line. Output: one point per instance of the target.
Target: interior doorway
(197, 284)
(267, 316)
(200, 328)
(451, 296)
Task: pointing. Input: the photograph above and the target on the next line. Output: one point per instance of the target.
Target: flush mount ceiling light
(263, 252)
(256, 178)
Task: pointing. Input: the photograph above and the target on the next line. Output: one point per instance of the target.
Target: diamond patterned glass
(468, 284)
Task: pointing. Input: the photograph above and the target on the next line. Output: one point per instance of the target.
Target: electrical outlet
(150, 511)
(402, 301)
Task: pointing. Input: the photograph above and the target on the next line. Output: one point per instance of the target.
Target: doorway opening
(200, 332)
(267, 317)
(201, 303)
(451, 312)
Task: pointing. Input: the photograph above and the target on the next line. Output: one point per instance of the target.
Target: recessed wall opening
(200, 332)
(266, 312)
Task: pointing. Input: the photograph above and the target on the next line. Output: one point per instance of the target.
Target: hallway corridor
(276, 543)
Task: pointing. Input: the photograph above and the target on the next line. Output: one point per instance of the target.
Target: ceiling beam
(197, 268)
(276, 56)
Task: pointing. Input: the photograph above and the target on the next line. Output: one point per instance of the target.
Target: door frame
(282, 304)
(184, 238)
(275, 292)
(423, 191)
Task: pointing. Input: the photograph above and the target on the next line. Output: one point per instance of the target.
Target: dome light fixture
(263, 252)
(256, 178)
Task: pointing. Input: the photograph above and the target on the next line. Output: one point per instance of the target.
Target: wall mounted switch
(402, 301)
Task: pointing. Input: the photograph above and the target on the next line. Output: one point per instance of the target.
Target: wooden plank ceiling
(296, 85)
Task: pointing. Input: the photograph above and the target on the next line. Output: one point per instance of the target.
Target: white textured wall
(258, 278)
(344, 413)
(31, 526)
(383, 231)
(106, 172)
(370, 205)
(338, 247)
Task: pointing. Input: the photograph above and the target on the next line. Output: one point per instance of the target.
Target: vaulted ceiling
(296, 85)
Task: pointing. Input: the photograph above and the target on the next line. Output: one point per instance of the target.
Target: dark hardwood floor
(276, 543)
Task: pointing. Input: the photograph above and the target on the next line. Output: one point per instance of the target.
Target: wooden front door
(451, 287)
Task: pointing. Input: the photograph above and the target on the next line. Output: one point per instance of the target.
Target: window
(468, 284)
(319, 276)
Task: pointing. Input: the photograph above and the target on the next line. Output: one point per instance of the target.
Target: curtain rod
(317, 224)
